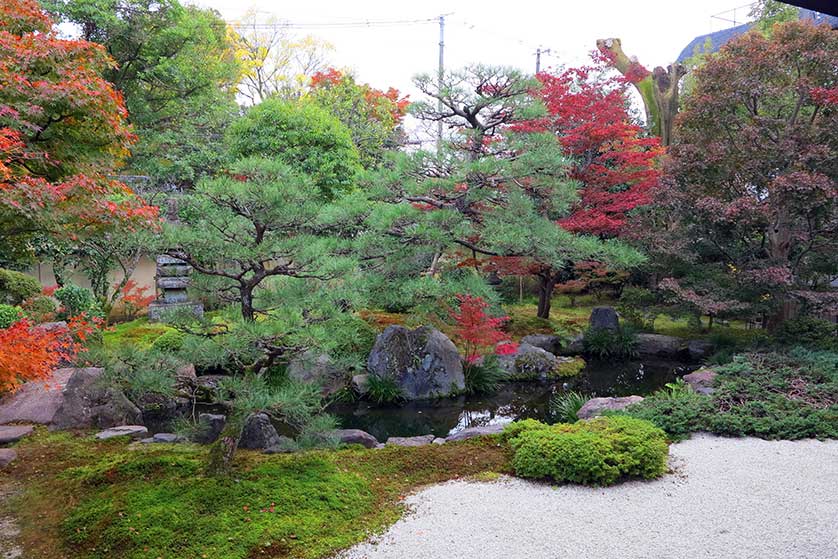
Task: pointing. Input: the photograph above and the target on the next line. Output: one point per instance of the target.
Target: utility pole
(439, 79)
(538, 53)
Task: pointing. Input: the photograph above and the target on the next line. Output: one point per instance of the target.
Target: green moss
(570, 368)
(140, 333)
(154, 501)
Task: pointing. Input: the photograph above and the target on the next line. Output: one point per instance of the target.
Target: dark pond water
(516, 400)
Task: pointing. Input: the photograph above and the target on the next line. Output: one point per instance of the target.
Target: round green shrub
(169, 342)
(597, 452)
(15, 287)
(76, 300)
(9, 314)
(301, 135)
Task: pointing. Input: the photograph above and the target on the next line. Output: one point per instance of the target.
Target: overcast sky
(490, 31)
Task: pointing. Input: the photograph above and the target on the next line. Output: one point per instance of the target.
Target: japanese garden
(254, 306)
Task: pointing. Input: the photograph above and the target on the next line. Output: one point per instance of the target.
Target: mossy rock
(569, 367)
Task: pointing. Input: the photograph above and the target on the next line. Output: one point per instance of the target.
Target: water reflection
(519, 400)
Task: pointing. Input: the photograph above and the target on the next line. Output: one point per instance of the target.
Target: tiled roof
(719, 38)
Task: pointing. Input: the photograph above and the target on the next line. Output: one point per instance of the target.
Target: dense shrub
(767, 395)
(383, 389)
(169, 342)
(15, 287)
(483, 377)
(39, 309)
(9, 314)
(76, 300)
(610, 344)
(639, 307)
(596, 452)
(809, 332)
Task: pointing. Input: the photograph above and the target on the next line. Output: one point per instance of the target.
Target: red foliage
(475, 329)
(392, 99)
(62, 130)
(614, 161)
(29, 352)
(134, 298)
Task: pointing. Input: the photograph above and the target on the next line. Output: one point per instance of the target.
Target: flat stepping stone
(13, 433)
(163, 438)
(133, 431)
(421, 440)
(7, 455)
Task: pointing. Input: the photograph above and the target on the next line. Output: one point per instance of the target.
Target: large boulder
(423, 362)
(547, 342)
(258, 433)
(532, 363)
(210, 426)
(36, 401)
(658, 345)
(701, 380)
(160, 411)
(605, 318)
(88, 401)
(576, 346)
(595, 406)
(698, 350)
(313, 368)
(355, 436)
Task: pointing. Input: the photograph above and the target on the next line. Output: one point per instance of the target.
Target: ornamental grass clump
(601, 451)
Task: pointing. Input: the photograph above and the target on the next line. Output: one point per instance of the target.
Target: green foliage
(484, 377)
(565, 406)
(609, 344)
(296, 404)
(677, 390)
(767, 395)
(76, 300)
(383, 390)
(640, 307)
(597, 452)
(177, 71)
(9, 314)
(140, 333)
(302, 136)
(515, 428)
(169, 342)
(39, 308)
(15, 287)
(808, 332)
(140, 372)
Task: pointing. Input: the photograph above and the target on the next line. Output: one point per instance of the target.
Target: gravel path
(727, 499)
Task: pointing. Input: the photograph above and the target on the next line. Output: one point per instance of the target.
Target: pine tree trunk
(221, 454)
(546, 283)
(246, 293)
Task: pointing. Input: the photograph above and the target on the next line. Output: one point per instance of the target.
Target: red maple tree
(63, 130)
(613, 159)
(31, 352)
(476, 330)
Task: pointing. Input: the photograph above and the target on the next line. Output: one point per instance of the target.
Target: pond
(515, 400)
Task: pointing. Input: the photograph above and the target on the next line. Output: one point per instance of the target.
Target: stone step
(13, 433)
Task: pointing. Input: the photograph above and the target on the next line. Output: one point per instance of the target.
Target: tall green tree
(303, 136)
(177, 71)
(264, 220)
(492, 192)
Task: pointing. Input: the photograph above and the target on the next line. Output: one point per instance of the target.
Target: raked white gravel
(726, 499)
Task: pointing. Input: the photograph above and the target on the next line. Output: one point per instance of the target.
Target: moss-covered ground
(84, 498)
